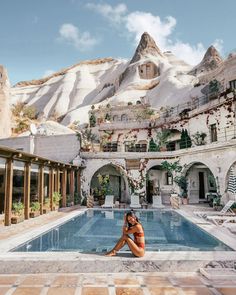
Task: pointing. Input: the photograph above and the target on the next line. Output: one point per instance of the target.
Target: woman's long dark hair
(132, 214)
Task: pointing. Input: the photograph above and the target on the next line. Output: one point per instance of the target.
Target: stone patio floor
(158, 283)
(114, 284)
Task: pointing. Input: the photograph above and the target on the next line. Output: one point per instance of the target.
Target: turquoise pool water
(97, 231)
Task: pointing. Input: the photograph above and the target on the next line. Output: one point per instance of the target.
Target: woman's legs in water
(137, 251)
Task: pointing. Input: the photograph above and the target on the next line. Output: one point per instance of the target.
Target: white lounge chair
(223, 211)
(109, 201)
(157, 202)
(134, 201)
(221, 220)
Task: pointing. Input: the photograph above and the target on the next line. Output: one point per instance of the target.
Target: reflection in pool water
(98, 231)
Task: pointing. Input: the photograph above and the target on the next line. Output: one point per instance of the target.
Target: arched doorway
(154, 181)
(117, 183)
(201, 182)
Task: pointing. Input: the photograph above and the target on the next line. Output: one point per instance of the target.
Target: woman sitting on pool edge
(131, 226)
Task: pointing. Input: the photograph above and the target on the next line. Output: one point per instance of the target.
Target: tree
(152, 146)
(92, 120)
(185, 140)
(162, 137)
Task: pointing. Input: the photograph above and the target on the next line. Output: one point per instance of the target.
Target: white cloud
(138, 22)
(48, 73)
(114, 14)
(80, 40)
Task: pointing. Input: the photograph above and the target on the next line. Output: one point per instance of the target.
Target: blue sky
(39, 37)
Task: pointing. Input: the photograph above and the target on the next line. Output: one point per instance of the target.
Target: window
(115, 118)
(124, 117)
(232, 84)
(213, 132)
(169, 178)
(110, 147)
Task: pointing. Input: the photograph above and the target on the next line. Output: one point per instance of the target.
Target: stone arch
(118, 182)
(154, 179)
(201, 181)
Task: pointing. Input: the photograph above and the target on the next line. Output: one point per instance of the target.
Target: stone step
(219, 273)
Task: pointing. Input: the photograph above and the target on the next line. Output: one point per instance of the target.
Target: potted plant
(77, 198)
(217, 202)
(35, 207)
(56, 197)
(199, 138)
(18, 212)
(162, 139)
(182, 182)
(69, 201)
(103, 188)
(46, 205)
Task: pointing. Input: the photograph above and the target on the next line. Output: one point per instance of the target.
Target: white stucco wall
(218, 157)
(63, 148)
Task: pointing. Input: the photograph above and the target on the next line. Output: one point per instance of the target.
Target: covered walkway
(26, 178)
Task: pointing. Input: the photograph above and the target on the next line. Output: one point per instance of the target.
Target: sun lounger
(226, 210)
(135, 201)
(157, 202)
(109, 202)
(221, 220)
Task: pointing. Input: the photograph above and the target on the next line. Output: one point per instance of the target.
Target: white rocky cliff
(160, 77)
(5, 114)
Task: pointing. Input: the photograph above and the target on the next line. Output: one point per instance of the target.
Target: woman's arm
(125, 224)
(134, 229)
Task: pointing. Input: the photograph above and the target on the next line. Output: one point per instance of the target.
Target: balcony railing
(110, 147)
(184, 111)
(220, 135)
(139, 148)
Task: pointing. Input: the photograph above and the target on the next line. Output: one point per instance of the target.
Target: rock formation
(5, 114)
(147, 46)
(210, 61)
(162, 78)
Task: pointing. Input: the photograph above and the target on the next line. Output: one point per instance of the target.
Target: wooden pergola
(55, 169)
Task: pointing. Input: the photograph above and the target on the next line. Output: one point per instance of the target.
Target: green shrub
(17, 208)
(35, 206)
(47, 202)
(56, 197)
(152, 146)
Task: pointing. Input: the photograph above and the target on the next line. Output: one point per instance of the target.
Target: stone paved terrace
(114, 284)
(122, 282)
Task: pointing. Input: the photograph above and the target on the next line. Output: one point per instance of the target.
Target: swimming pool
(97, 231)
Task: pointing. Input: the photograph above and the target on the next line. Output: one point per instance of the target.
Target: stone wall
(63, 148)
(218, 158)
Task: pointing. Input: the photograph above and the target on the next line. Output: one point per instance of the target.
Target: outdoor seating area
(226, 210)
